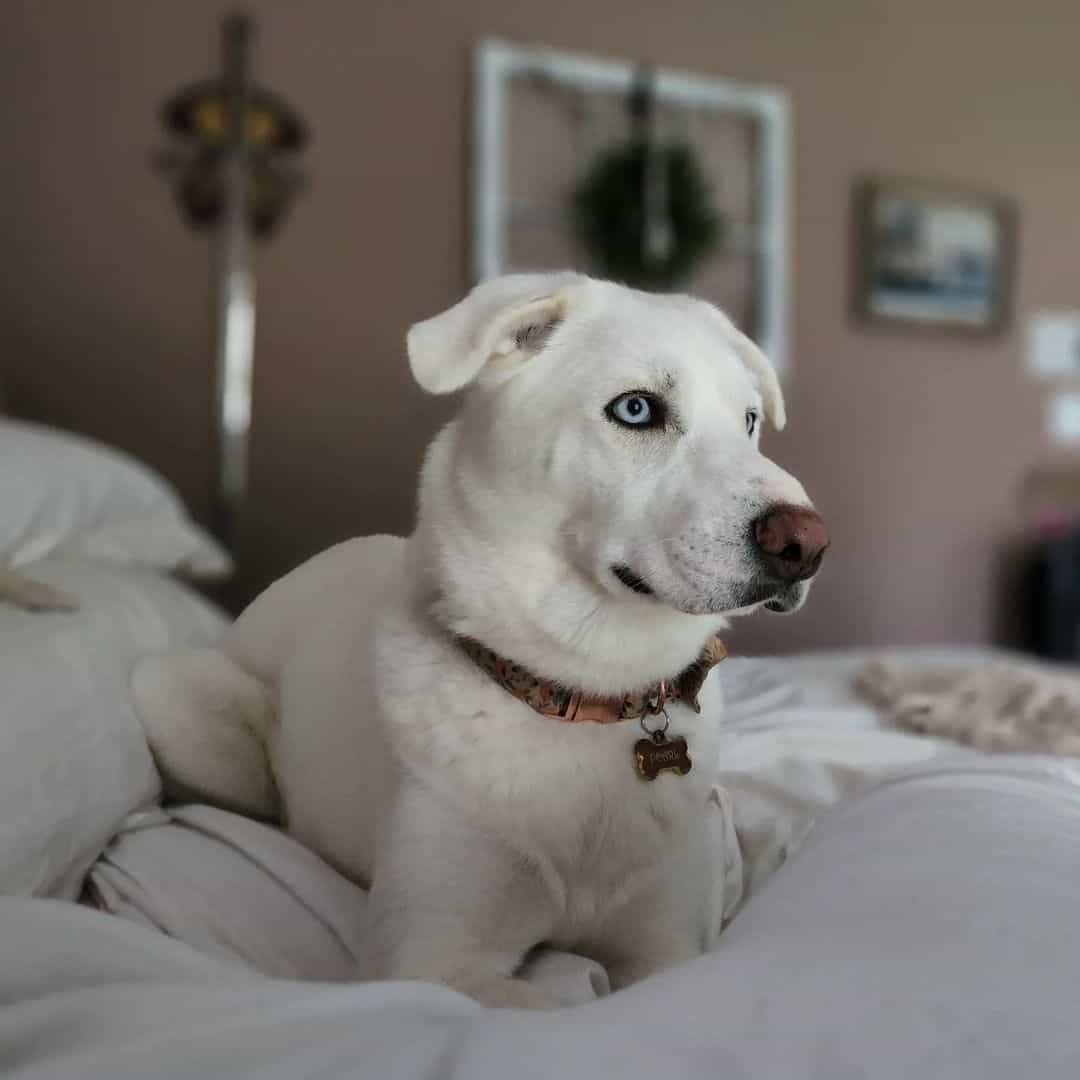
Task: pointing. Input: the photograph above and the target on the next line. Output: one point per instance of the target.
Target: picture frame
(933, 256)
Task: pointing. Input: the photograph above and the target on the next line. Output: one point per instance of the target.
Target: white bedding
(73, 759)
(796, 740)
(65, 495)
(924, 927)
(928, 928)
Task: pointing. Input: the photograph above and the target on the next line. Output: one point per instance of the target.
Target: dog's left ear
(503, 321)
(759, 365)
(761, 368)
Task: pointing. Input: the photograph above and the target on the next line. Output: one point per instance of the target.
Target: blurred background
(884, 194)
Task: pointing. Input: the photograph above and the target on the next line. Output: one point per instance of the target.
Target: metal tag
(659, 754)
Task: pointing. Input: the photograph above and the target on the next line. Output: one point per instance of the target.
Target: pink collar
(551, 699)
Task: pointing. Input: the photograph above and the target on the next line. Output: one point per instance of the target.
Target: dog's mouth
(789, 599)
(778, 599)
(634, 582)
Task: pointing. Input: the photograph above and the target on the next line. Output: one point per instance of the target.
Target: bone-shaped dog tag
(660, 754)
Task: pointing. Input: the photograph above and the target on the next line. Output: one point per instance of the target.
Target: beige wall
(914, 446)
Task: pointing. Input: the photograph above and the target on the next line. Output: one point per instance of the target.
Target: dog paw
(497, 992)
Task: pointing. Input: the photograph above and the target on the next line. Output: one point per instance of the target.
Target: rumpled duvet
(897, 907)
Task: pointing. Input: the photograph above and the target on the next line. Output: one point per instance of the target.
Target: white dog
(456, 719)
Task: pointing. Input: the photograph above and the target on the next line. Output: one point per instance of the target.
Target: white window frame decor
(497, 63)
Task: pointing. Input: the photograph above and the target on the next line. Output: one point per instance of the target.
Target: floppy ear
(761, 368)
(506, 320)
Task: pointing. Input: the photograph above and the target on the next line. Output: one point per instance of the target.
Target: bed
(894, 906)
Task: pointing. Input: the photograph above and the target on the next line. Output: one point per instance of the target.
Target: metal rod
(235, 300)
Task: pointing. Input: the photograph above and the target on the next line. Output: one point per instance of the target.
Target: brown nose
(792, 541)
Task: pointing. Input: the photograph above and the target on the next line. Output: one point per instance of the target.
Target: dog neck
(509, 585)
(573, 707)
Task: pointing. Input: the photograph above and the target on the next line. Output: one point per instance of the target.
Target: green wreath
(609, 213)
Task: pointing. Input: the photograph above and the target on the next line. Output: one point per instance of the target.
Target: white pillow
(73, 759)
(67, 495)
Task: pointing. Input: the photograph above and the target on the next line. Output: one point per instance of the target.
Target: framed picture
(933, 256)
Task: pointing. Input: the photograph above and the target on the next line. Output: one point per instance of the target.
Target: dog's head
(626, 424)
(608, 451)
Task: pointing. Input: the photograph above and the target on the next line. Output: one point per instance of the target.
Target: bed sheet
(926, 928)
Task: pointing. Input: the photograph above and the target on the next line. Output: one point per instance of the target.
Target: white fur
(483, 828)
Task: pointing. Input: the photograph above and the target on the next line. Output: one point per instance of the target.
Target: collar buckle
(655, 704)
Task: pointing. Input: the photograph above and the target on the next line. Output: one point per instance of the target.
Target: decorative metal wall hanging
(231, 170)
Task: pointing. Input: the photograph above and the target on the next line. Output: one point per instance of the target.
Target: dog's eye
(636, 410)
(751, 422)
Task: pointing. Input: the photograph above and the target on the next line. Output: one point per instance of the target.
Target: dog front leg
(454, 905)
(667, 922)
(651, 950)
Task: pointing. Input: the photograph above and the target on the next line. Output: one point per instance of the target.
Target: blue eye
(636, 410)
